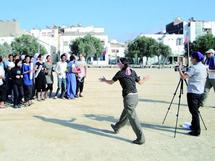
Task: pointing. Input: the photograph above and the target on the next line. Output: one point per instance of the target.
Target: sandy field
(79, 130)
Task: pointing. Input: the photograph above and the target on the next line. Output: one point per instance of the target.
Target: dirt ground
(79, 130)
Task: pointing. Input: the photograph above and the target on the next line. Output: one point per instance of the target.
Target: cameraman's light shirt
(197, 78)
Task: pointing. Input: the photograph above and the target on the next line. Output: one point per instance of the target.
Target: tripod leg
(171, 101)
(202, 120)
(179, 103)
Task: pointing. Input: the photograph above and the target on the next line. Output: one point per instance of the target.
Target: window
(179, 41)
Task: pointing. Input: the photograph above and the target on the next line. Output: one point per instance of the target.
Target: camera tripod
(181, 84)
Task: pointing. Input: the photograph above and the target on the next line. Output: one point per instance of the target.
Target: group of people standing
(23, 78)
(70, 74)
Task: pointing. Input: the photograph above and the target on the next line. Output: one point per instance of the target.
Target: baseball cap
(210, 51)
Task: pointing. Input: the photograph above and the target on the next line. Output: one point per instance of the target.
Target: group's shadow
(80, 127)
(144, 125)
(160, 101)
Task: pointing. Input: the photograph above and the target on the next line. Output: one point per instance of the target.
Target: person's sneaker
(193, 133)
(55, 97)
(138, 141)
(114, 128)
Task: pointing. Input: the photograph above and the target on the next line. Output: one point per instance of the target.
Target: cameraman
(196, 75)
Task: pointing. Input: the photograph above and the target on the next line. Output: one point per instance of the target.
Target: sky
(123, 20)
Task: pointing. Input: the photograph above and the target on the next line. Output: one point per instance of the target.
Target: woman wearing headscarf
(128, 79)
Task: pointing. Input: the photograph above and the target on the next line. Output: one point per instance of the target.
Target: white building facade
(115, 50)
(174, 41)
(195, 28)
(61, 39)
(72, 33)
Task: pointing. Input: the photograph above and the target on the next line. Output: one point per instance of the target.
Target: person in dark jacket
(17, 80)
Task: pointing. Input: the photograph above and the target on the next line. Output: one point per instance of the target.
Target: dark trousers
(27, 92)
(129, 114)
(9, 85)
(80, 85)
(3, 93)
(194, 101)
(18, 94)
(49, 87)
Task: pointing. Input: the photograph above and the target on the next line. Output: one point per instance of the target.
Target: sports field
(79, 130)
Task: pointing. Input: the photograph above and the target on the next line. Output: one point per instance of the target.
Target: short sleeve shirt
(127, 82)
(197, 77)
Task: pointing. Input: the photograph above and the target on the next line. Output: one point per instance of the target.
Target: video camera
(181, 65)
(183, 68)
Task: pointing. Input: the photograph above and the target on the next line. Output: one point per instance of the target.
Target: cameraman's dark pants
(129, 114)
(194, 101)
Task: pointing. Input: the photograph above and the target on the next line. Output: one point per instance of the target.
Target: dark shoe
(138, 141)
(201, 104)
(114, 128)
(15, 106)
(192, 133)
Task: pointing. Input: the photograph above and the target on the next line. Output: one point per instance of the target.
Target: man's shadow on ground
(81, 127)
(111, 119)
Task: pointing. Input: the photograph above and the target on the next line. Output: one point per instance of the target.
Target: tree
(88, 45)
(5, 49)
(143, 47)
(27, 44)
(155, 50)
(165, 52)
(202, 44)
(159, 49)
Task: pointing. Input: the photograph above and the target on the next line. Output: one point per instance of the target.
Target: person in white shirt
(61, 69)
